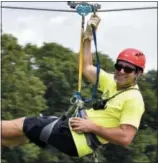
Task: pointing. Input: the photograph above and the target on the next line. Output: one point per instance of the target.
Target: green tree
(22, 92)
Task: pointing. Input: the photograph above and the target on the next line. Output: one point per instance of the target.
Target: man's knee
(18, 123)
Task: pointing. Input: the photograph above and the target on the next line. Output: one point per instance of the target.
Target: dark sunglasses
(126, 69)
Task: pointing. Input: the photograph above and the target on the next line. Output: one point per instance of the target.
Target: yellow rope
(80, 61)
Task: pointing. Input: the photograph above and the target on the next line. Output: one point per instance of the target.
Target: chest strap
(101, 103)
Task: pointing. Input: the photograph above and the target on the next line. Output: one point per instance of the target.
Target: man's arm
(122, 135)
(89, 70)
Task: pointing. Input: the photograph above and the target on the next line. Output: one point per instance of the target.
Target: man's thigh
(58, 134)
(33, 127)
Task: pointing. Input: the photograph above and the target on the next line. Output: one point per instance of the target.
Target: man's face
(125, 74)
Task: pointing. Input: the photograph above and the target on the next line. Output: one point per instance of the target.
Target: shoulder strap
(120, 93)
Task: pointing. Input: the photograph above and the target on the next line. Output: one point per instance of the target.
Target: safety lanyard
(97, 66)
(83, 9)
(81, 56)
(81, 65)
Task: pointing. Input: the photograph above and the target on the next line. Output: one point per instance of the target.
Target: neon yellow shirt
(125, 108)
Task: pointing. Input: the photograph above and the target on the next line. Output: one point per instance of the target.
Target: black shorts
(60, 137)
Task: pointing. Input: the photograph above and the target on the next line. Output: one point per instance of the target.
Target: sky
(117, 30)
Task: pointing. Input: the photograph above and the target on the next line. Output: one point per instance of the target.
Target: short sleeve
(105, 79)
(132, 112)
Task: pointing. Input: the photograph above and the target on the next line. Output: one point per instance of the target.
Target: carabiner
(74, 100)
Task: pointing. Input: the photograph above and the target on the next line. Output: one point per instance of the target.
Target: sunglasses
(126, 69)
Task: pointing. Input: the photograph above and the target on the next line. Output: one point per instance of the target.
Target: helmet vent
(138, 54)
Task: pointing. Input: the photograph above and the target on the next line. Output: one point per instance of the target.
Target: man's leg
(12, 132)
(11, 142)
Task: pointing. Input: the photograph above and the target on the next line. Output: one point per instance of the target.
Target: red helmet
(133, 56)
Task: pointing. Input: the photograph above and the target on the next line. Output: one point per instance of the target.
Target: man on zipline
(116, 121)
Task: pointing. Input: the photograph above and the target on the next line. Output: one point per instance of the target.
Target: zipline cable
(72, 11)
(38, 9)
(127, 9)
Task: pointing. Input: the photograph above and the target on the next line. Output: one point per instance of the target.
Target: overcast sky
(117, 30)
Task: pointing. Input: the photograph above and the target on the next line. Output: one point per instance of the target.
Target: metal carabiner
(80, 103)
(73, 100)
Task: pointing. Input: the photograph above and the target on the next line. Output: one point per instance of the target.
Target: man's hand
(94, 21)
(80, 125)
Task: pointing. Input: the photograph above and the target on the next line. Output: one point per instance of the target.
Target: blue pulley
(83, 9)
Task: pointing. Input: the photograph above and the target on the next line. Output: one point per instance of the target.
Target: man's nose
(122, 71)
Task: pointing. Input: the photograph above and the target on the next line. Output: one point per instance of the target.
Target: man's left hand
(80, 125)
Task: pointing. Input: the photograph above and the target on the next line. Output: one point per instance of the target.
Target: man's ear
(139, 73)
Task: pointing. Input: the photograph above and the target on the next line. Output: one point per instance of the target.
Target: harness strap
(47, 130)
(91, 138)
(101, 103)
(121, 92)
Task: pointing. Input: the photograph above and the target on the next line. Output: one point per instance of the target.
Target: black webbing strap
(121, 92)
(47, 130)
(101, 103)
(91, 138)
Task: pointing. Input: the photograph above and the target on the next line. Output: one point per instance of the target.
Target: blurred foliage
(43, 79)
